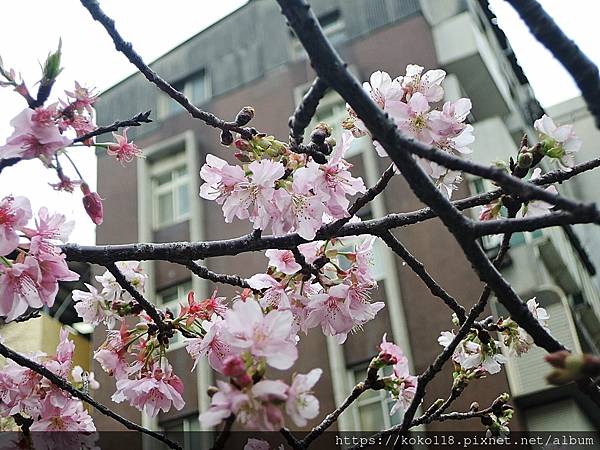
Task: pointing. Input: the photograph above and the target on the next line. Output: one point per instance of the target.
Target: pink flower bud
(92, 204)
(234, 366)
(243, 145)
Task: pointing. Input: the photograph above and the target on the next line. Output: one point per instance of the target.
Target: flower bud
(92, 204)
(211, 391)
(226, 137)
(52, 67)
(524, 160)
(570, 367)
(234, 367)
(245, 115)
(318, 136)
(243, 145)
(242, 157)
(474, 406)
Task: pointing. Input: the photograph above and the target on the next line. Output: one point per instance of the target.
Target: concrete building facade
(251, 58)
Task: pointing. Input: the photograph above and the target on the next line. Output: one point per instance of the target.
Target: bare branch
(582, 69)
(419, 269)
(127, 49)
(135, 121)
(206, 274)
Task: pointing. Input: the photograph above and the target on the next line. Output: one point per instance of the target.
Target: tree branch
(135, 121)
(67, 387)
(582, 69)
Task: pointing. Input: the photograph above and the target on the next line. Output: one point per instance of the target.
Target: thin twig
(135, 121)
(207, 274)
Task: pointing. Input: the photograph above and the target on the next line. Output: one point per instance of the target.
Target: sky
(90, 58)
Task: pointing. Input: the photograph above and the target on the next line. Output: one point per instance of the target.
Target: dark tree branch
(305, 111)
(139, 298)
(206, 274)
(127, 49)
(419, 269)
(67, 387)
(135, 121)
(582, 69)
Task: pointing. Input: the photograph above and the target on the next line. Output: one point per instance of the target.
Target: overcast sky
(29, 29)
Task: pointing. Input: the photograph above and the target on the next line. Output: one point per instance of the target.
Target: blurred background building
(251, 58)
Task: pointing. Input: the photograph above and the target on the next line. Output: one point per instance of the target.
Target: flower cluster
(411, 100)
(279, 189)
(516, 338)
(260, 404)
(31, 263)
(402, 386)
(112, 302)
(27, 393)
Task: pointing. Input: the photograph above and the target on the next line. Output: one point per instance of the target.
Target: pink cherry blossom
(336, 182)
(158, 389)
(267, 336)
(220, 179)
(20, 288)
(92, 307)
(301, 405)
(283, 261)
(227, 401)
(383, 89)
(212, 344)
(83, 97)
(69, 417)
(540, 314)
(255, 194)
(560, 142)
(33, 139)
(301, 210)
(124, 151)
(407, 389)
(261, 412)
(390, 353)
(428, 84)
(276, 295)
(15, 212)
(331, 310)
(413, 118)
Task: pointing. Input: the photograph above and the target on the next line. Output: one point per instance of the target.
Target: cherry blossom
(226, 401)
(301, 405)
(212, 344)
(383, 89)
(156, 390)
(283, 261)
(33, 139)
(123, 151)
(15, 212)
(559, 142)
(331, 310)
(428, 84)
(268, 336)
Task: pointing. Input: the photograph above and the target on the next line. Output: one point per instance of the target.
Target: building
(251, 58)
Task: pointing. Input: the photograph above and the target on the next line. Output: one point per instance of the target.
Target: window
(196, 88)
(182, 430)
(333, 27)
(170, 191)
(171, 299)
(371, 411)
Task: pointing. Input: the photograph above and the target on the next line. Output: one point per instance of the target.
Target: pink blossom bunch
(335, 299)
(412, 101)
(112, 302)
(515, 338)
(558, 142)
(282, 191)
(27, 393)
(261, 405)
(31, 263)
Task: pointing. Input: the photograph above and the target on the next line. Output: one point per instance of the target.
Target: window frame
(161, 167)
